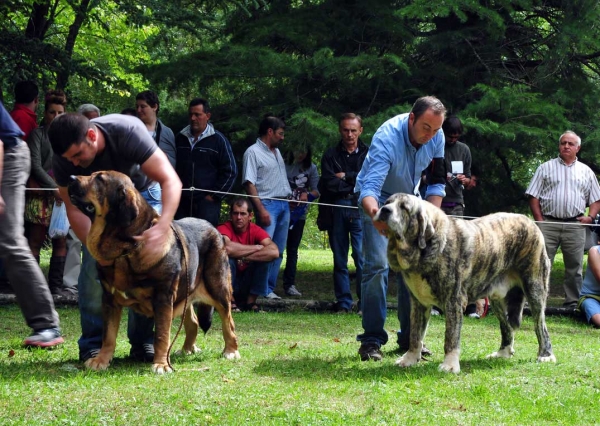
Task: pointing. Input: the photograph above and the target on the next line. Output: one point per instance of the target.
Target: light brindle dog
(450, 262)
(193, 268)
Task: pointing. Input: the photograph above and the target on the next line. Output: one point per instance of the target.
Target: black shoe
(92, 353)
(143, 353)
(338, 309)
(368, 351)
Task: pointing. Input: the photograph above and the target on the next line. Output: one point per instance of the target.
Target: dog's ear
(122, 208)
(426, 230)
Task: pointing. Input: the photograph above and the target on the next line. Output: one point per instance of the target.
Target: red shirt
(253, 235)
(25, 118)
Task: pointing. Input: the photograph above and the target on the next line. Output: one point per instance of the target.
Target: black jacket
(335, 160)
(210, 164)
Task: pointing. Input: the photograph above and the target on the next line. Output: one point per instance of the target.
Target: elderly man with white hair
(559, 192)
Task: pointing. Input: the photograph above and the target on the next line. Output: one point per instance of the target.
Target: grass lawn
(302, 368)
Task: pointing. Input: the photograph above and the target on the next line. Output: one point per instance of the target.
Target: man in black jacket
(204, 161)
(339, 167)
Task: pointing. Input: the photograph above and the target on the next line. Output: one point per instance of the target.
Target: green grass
(303, 369)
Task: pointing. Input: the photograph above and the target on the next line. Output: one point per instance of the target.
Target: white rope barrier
(193, 189)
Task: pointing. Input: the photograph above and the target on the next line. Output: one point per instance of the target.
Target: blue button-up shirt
(393, 165)
(10, 133)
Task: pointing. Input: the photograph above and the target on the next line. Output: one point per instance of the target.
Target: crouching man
(250, 251)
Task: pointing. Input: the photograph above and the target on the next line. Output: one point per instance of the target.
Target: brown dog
(194, 268)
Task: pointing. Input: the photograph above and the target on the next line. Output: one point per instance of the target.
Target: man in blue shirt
(401, 149)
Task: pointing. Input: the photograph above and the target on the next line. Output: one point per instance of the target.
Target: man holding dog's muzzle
(401, 149)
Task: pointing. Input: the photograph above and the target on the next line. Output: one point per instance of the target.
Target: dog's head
(407, 219)
(107, 194)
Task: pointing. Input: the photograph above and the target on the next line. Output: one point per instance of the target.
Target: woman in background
(39, 204)
(303, 177)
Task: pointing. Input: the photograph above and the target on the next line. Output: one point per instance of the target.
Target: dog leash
(186, 265)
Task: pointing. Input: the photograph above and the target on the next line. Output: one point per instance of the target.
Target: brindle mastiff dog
(193, 268)
(450, 262)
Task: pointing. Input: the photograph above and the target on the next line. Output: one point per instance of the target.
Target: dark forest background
(518, 73)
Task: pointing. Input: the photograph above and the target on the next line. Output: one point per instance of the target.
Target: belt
(285, 197)
(347, 197)
(567, 219)
(450, 204)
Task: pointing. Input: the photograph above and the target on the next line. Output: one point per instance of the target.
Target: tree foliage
(518, 73)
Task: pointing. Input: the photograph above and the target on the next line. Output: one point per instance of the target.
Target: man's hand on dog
(154, 240)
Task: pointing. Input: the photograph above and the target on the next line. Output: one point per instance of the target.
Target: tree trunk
(81, 14)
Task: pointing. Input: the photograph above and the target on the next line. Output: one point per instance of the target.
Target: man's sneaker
(292, 291)
(46, 338)
(144, 353)
(474, 315)
(92, 353)
(368, 351)
(272, 296)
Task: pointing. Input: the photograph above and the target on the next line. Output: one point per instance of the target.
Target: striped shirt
(564, 190)
(266, 171)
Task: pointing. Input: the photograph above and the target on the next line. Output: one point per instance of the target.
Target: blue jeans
(590, 307)
(347, 229)
(278, 231)
(374, 289)
(252, 280)
(140, 329)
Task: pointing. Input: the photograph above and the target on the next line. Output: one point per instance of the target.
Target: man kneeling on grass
(250, 251)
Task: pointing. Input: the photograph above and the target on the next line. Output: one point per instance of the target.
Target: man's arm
(261, 213)
(264, 252)
(536, 209)
(227, 169)
(159, 169)
(1, 171)
(436, 200)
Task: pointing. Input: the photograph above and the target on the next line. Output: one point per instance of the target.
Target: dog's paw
(161, 368)
(231, 355)
(450, 364)
(189, 351)
(408, 359)
(505, 352)
(549, 358)
(97, 363)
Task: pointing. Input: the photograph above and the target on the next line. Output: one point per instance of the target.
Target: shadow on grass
(344, 368)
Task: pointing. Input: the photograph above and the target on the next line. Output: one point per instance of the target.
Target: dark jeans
(293, 242)
(200, 208)
(252, 280)
(347, 230)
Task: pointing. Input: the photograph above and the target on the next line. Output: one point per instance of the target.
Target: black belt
(347, 197)
(560, 219)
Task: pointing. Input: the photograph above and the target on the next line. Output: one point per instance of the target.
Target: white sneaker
(272, 295)
(474, 315)
(293, 291)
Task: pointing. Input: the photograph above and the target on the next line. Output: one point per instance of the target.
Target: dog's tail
(205, 314)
